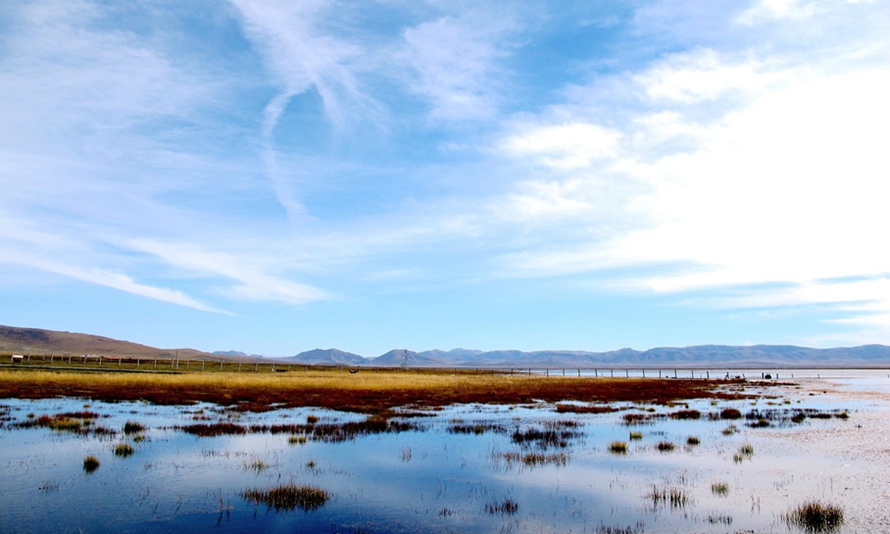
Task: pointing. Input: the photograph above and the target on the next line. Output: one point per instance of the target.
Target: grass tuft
(288, 497)
(255, 466)
(721, 489)
(618, 447)
(132, 427)
(123, 450)
(730, 413)
(693, 441)
(664, 446)
(90, 464)
(814, 516)
(635, 436)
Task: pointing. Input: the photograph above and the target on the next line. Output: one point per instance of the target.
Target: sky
(276, 176)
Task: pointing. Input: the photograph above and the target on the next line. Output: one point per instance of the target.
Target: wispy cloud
(301, 58)
(456, 65)
(247, 271)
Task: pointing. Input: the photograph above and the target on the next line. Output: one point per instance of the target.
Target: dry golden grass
(366, 392)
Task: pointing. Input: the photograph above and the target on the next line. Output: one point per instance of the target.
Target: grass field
(368, 391)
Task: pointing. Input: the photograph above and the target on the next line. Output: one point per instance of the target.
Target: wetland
(442, 452)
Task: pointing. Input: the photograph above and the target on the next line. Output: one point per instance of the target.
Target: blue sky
(278, 176)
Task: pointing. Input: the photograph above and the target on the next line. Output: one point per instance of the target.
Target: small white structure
(17, 358)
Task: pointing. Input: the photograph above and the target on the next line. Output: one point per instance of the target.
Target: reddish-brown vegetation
(367, 393)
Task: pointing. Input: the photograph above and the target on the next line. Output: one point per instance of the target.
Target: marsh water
(467, 468)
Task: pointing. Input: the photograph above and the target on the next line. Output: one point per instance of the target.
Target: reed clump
(544, 438)
(123, 450)
(721, 489)
(256, 465)
(685, 414)
(618, 447)
(664, 446)
(288, 497)
(635, 436)
(814, 516)
(532, 459)
(133, 427)
(673, 496)
(505, 507)
(730, 413)
(90, 464)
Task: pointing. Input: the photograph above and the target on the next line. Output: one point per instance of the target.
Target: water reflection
(463, 469)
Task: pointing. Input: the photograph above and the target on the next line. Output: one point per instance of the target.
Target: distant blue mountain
(710, 355)
(701, 355)
(326, 357)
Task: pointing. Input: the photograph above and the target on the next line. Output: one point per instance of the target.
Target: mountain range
(709, 355)
(39, 340)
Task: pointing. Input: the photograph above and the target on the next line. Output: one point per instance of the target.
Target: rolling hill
(37, 340)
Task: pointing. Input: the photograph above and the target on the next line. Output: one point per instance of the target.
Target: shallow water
(432, 479)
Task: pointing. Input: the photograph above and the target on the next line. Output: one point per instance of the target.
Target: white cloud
(701, 75)
(455, 62)
(248, 270)
(776, 9)
(109, 278)
(302, 57)
(748, 171)
(566, 146)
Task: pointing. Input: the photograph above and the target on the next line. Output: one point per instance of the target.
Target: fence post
(239, 367)
(220, 366)
(156, 363)
(202, 364)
